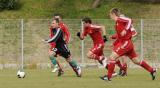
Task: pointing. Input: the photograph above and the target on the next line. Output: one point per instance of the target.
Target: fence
(22, 39)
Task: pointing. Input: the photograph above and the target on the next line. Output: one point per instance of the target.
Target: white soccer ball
(20, 74)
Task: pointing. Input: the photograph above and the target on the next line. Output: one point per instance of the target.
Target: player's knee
(89, 55)
(113, 56)
(51, 53)
(68, 59)
(135, 61)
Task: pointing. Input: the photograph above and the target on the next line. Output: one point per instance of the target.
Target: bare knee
(113, 56)
(89, 55)
(51, 53)
(135, 61)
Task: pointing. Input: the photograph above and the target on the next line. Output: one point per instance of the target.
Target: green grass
(30, 9)
(137, 78)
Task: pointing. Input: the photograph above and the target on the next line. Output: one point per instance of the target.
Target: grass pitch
(137, 78)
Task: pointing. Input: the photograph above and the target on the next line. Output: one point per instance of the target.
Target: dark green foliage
(8, 4)
(141, 1)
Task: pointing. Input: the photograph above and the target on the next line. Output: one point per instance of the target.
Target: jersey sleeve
(56, 36)
(126, 20)
(66, 33)
(85, 31)
(134, 32)
(95, 27)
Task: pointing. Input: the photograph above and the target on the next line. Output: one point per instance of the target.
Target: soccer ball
(20, 74)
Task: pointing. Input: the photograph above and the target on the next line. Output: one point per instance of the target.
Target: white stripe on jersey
(58, 30)
(129, 21)
(95, 26)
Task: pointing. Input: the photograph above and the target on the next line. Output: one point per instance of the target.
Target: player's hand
(44, 40)
(78, 34)
(105, 39)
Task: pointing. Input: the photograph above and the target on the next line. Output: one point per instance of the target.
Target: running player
(66, 33)
(124, 46)
(94, 31)
(61, 48)
(122, 65)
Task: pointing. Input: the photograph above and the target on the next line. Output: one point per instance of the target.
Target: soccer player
(61, 48)
(124, 46)
(66, 33)
(122, 65)
(94, 31)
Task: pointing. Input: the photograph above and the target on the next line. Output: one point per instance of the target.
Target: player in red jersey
(122, 64)
(66, 33)
(95, 32)
(96, 52)
(124, 46)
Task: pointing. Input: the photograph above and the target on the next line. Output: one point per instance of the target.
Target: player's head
(58, 16)
(114, 13)
(55, 23)
(87, 21)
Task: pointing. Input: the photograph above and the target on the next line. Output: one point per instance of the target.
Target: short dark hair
(87, 20)
(57, 20)
(116, 11)
(57, 14)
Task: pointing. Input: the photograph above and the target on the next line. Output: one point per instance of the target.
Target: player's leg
(119, 64)
(111, 66)
(146, 66)
(76, 68)
(65, 52)
(123, 66)
(54, 61)
(142, 63)
(101, 59)
(96, 53)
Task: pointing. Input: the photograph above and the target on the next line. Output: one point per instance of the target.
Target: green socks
(53, 60)
(73, 63)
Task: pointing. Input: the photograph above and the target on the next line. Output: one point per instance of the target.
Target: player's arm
(101, 28)
(128, 25)
(104, 33)
(55, 37)
(67, 34)
(80, 35)
(134, 32)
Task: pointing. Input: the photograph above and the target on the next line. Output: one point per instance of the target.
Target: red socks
(119, 64)
(146, 66)
(111, 66)
(125, 67)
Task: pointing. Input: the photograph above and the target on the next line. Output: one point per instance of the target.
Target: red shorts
(125, 48)
(98, 49)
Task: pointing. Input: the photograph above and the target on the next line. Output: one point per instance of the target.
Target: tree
(8, 4)
(96, 3)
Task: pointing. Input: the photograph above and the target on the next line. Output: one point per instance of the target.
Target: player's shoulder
(63, 25)
(124, 18)
(95, 26)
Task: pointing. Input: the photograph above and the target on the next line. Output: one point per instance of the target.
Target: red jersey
(65, 31)
(134, 33)
(124, 23)
(95, 33)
